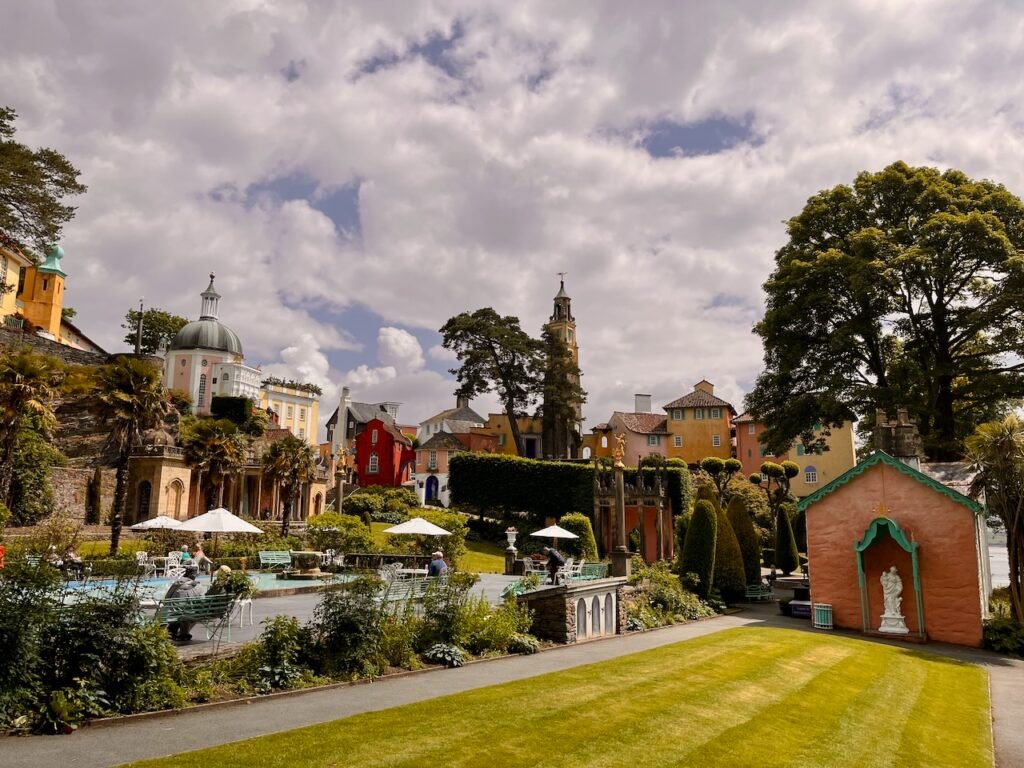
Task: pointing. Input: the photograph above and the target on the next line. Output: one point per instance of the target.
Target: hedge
(786, 556)
(729, 578)
(235, 409)
(750, 547)
(585, 546)
(541, 489)
(699, 547)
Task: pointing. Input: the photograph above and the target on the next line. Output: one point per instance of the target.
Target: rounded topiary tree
(729, 578)
(750, 548)
(787, 559)
(699, 547)
(584, 547)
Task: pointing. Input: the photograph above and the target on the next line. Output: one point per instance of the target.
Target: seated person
(437, 567)
(184, 586)
(73, 564)
(185, 556)
(52, 558)
(201, 560)
(555, 561)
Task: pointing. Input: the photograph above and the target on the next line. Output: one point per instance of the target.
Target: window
(291, 412)
(302, 433)
(751, 428)
(716, 440)
(21, 279)
(810, 475)
(653, 440)
(698, 413)
(201, 399)
(750, 453)
(569, 335)
(716, 413)
(3, 270)
(374, 465)
(302, 414)
(373, 437)
(677, 441)
(501, 439)
(677, 414)
(604, 441)
(800, 449)
(764, 451)
(144, 494)
(432, 460)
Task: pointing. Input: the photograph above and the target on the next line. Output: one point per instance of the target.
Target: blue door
(431, 488)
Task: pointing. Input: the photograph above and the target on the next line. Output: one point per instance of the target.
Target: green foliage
(449, 610)
(445, 654)
(159, 328)
(234, 409)
(235, 583)
(33, 186)
(680, 525)
(403, 496)
(787, 558)
(750, 546)
(585, 547)
(280, 648)
(347, 628)
(364, 506)
(495, 354)
(659, 598)
(700, 545)
(180, 400)
(342, 533)
(5, 518)
(453, 546)
(1004, 635)
(495, 631)
(562, 395)
(289, 463)
(398, 637)
(31, 491)
(729, 577)
(902, 289)
(799, 521)
(753, 498)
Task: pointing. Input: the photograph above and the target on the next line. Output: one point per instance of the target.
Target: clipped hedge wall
(699, 548)
(750, 546)
(585, 546)
(542, 489)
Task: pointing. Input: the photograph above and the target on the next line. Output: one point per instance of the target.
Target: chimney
(900, 438)
(704, 386)
(462, 402)
(642, 403)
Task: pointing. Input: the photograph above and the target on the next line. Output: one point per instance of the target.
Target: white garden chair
(146, 566)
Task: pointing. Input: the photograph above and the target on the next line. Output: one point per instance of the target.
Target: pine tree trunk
(120, 500)
(286, 514)
(7, 466)
(513, 425)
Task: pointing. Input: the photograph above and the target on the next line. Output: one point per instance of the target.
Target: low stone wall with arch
(579, 611)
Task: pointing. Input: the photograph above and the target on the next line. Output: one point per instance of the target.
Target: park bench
(213, 612)
(758, 592)
(593, 571)
(33, 560)
(275, 559)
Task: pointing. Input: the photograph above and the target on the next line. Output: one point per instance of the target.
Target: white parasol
(554, 532)
(418, 527)
(156, 523)
(218, 521)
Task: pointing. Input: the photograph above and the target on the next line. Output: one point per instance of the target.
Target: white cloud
(444, 354)
(476, 191)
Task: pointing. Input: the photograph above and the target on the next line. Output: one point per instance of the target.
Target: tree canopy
(33, 186)
(904, 289)
(159, 328)
(497, 355)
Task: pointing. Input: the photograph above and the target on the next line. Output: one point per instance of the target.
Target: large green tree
(496, 354)
(159, 328)
(33, 186)
(216, 448)
(996, 452)
(289, 463)
(131, 399)
(29, 382)
(905, 288)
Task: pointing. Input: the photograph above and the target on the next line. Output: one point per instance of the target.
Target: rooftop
(643, 423)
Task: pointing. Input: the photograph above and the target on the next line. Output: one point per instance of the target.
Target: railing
(159, 450)
(14, 322)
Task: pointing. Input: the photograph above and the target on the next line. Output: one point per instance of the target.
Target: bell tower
(562, 323)
(42, 293)
(562, 433)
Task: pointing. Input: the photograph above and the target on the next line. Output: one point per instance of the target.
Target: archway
(609, 614)
(143, 495)
(431, 488)
(586, 452)
(581, 618)
(595, 616)
(173, 495)
(318, 501)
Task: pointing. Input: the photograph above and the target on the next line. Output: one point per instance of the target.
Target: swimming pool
(156, 588)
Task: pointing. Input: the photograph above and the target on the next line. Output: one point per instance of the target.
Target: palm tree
(28, 384)
(289, 463)
(996, 452)
(215, 447)
(131, 400)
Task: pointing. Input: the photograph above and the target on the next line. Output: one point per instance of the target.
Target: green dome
(207, 334)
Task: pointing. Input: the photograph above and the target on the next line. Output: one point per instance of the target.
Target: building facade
(296, 407)
(530, 427)
(458, 420)
(699, 425)
(384, 456)
(432, 459)
(562, 436)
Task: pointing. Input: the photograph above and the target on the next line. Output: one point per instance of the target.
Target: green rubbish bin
(822, 616)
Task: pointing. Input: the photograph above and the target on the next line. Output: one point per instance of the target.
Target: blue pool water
(156, 588)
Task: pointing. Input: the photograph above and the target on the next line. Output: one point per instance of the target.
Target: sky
(356, 173)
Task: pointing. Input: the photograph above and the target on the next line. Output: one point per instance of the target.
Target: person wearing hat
(437, 567)
(184, 586)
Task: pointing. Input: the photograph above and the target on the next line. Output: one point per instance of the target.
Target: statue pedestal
(893, 624)
(621, 563)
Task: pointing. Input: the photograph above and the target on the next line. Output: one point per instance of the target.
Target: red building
(384, 456)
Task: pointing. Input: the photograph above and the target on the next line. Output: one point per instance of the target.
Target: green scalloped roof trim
(881, 457)
(894, 530)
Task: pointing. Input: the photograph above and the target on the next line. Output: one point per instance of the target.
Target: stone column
(620, 554)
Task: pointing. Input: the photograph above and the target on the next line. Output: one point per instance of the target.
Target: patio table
(411, 573)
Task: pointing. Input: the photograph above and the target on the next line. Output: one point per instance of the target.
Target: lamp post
(138, 334)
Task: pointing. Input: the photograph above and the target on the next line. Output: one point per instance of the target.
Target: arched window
(201, 400)
(586, 452)
(175, 491)
(142, 496)
(318, 502)
(810, 475)
(604, 441)
(374, 465)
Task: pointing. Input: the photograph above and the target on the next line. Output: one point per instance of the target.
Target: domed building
(205, 359)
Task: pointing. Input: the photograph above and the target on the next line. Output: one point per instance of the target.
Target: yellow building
(530, 428)
(12, 268)
(296, 407)
(699, 425)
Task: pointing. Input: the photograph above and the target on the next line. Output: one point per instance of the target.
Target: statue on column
(892, 590)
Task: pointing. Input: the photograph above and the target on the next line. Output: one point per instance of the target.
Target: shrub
(235, 583)
(398, 637)
(750, 546)
(346, 629)
(448, 610)
(499, 628)
(787, 558)
(699, 547)
(584, 547)
(729, 578)
(524, 644)
(1004, 635)
(446, 654)
(799, 528)
(363, 506)
(342, 533)
(679, 524)
(280, 645)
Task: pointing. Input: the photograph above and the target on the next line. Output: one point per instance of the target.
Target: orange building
(699, 425)
(883, 514)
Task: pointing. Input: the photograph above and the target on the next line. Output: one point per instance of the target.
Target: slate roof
(465, 413)
(442, 441)
(699, 399)
(743, 418)
(362, 412)
(881, 457)
(643, 423)
(604, 426)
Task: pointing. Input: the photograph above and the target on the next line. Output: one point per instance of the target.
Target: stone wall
(85, 494)
(12, 339)
(555, 609)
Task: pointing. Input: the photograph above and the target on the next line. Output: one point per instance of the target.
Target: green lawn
(480, 557)
(743, 697)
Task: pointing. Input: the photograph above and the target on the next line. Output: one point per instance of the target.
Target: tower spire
(210, 299)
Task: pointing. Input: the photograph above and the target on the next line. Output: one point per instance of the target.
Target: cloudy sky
(357, 172)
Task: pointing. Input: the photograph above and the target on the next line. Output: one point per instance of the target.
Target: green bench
(213, 612)
(759, 592)
(275, 559)
(592, 571)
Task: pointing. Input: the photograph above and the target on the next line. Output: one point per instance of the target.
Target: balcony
(159, 451)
